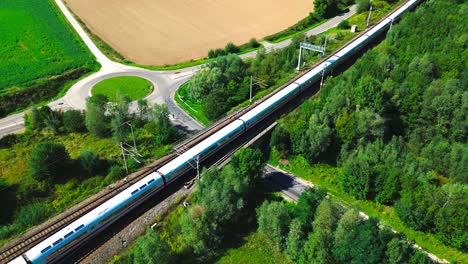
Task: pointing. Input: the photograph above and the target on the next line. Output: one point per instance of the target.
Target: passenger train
(68, 238)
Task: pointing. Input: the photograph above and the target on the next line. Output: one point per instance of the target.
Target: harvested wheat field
(158, 32)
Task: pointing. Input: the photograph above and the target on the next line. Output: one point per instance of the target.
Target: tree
(52, 120)
(74, 121)
(89, 162)
(273, 221)
(359, 241)
(308, 202)
(248, 163)
(96, 120)
(326, 8)
(343, 235)
(319, 245)
(398, 251)
(418, 205)
(151, 249)
(295, 240)
(280, 140)
(450, 221)
(318, 137)
(119, 115)
(36, 122)
(163, 129)
(47, 161)
(143, 108)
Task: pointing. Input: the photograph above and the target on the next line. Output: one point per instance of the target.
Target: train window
(45, 249)
(68, 235)
(152, 180)
(78, 228)
(135, 191)
(56, 242)
(143, 186)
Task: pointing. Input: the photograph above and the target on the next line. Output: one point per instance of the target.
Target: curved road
(165, 82)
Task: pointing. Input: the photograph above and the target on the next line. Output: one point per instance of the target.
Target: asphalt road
(165, 82)
(284, 182)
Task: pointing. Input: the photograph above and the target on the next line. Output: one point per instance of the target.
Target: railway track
(9, 252)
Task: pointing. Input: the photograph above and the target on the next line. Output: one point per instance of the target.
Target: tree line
(396, 122)
(318, 230)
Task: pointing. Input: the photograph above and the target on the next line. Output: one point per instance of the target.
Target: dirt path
(158, 32)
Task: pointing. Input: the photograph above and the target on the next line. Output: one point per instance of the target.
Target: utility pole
(321, 81)
(370, 13)
(198, 167)
(133, 135)
(250, 88)
(128, 150)
(123, 155)
(258, 82)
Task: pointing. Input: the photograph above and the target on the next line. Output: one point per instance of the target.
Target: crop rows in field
(36, 43)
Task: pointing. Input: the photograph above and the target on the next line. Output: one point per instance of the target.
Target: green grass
(37, 42)
(326, 176)
(255, 248)
(134, 88)
(194, 109)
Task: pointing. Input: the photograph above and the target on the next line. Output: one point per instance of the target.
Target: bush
(363, 6)
(231, 48)
(74, 121)
(216, 53)
(47, 161)
(33, 214)
(8, 141)
(89, 162)
(253, 43)
(116, 172)
(344, 24)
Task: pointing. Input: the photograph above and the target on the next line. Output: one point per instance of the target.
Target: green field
(37, 46)
(134, 88)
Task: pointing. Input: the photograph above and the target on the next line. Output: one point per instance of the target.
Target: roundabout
(135, 88)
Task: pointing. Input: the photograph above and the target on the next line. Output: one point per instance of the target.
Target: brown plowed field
(158, 32)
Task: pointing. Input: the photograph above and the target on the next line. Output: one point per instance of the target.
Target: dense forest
(319, 230)
(397, 123)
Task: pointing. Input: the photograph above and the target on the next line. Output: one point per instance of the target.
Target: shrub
(47, 161)
(74, 121)
(344, 24)
(116, 172)
(89, 162)
(216, 53)
(253, 43)
(363, 6)
(8, 141)
(231, 48)
(33, 214)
